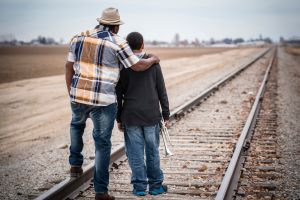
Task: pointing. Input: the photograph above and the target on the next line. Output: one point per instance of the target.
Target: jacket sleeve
(119, 93)
(162, 93)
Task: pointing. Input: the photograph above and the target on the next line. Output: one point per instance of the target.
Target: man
(139, 97)
(92, 71)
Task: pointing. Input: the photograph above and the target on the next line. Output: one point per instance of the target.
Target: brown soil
(293, 50)
(25, 62)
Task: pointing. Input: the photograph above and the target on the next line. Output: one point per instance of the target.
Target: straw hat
(110, 16)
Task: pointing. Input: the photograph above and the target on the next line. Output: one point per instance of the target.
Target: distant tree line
(44, 40)
(177, 42)
(293, 41)
(9, 39)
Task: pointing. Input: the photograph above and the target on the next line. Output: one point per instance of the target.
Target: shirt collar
(140, 55)
(101, 27)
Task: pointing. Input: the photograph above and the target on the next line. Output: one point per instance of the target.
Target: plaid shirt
(98, 57)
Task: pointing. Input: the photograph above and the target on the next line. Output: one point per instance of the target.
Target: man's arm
(128, 59)
(69, 72)
(162, 93)
(144, 64)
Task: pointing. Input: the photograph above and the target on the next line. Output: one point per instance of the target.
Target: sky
(155, 19)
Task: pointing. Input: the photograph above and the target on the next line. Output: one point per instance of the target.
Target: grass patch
(293, 50)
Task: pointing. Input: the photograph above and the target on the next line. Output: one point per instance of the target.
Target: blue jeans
(137, 140)
(103, 120)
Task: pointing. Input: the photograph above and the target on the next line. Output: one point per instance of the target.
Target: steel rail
(179, 111)
(70, 187)
(230, 180)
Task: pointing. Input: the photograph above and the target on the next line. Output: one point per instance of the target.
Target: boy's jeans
(103, 119)
(138, 139)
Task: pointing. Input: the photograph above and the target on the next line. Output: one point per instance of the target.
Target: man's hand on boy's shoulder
(154, 57)
(120, 127)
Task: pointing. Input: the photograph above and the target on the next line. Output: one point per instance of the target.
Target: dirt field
(293, 50)
(34, 134)
(27, 62)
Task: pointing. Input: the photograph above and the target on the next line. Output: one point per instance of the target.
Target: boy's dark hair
(135, 40)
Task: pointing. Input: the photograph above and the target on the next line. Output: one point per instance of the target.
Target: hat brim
(102, 21)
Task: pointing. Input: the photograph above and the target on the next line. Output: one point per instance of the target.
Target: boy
(139, 95)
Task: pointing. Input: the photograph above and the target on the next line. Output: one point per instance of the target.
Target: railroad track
(261, 175)
(205, 139)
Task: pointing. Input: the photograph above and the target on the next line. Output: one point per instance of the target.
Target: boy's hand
(167, 124)
(120, 127)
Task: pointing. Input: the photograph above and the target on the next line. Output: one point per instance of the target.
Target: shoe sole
(158, 193)
(140, 195)
(154, 194)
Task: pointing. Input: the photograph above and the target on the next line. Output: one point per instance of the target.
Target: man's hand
(144, 64)
(69, 75)
(120, 127)
(155, 58)
(167, 124)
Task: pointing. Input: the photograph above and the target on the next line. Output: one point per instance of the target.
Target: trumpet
(166, 138)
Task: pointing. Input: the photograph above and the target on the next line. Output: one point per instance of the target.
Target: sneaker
(104, 196)
(157, 191)
(139, 193)
(75, 171)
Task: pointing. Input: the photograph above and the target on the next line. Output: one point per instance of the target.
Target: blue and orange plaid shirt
(98, 57)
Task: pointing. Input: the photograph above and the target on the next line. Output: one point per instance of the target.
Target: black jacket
(139, 95)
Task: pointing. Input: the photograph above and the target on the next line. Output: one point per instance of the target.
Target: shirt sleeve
(71, 54)
(71, 57)
(162, 93)
(126, 56)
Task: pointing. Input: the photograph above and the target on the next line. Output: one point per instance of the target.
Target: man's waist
(91, 97)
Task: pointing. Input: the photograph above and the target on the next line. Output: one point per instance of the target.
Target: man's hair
(110, 27)
(135, 40)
